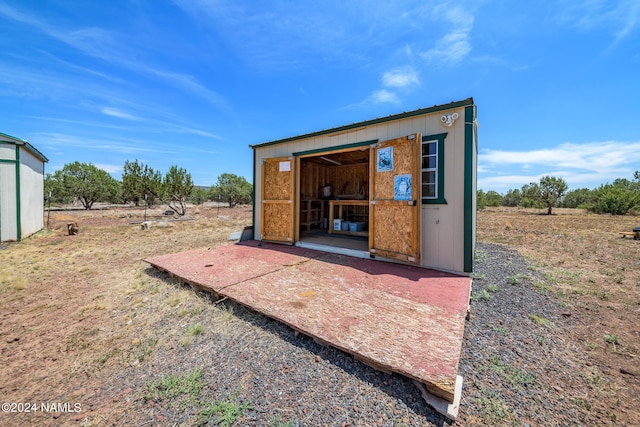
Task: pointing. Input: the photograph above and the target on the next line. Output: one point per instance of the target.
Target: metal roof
(435, 108)
(18, 141)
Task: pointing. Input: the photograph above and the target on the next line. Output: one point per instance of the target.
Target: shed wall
(8, 206)
(31, 193)
(442, 225)
(19, 218)
(7, 151)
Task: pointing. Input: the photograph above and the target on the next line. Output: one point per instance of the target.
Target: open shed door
(277, 214)
(394, 212)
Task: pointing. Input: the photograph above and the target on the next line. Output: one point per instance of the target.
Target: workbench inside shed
(347, 173)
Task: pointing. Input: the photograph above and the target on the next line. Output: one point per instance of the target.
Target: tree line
(617, 198)
(141, 184)
(87, 184)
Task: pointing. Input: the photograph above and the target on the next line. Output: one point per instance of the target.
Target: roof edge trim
(19, 141)
(464, 103)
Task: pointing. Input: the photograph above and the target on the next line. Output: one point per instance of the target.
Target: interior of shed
(334, 194)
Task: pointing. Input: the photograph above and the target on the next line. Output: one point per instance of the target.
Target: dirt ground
(74, 309)
(69, 305)
(595, 272)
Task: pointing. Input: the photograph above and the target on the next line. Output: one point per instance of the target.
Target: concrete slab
(396, 318)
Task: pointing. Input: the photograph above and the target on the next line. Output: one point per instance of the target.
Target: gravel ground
(517, 366)
(518, 363)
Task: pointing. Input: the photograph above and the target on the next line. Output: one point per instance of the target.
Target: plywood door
(394, 213)
(277, 214)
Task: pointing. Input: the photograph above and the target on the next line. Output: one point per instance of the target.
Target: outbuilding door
(277, 213)
(395, 185)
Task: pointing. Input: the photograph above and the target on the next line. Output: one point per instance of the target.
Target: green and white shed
(399, 187)
(21, 188)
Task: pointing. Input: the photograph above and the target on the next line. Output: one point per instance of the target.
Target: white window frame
(433, 169)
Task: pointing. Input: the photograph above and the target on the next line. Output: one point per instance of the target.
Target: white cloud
(482, 169)
(383, 96)
(620, 18)
(191, 85)
(400, 77)
(114, 112)
(397, 78)
(589, 164)
(60, 142)
(197, 132)
(501, 183)
(286, 35)
(112, 48)
(16, 15)
(109, 168)
(454, 46)
(588, 156)
(281, 34)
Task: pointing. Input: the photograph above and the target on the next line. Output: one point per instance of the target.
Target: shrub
(617, 199)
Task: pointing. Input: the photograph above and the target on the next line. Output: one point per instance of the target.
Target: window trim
(439, 199)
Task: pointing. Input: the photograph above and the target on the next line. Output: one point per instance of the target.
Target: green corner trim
(253, 213)
(440, 200)
(18, 210)
(12, 162)
(469, 178)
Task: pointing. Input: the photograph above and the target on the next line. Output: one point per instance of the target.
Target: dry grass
(582, 255)
(592, 270)
(76, 309)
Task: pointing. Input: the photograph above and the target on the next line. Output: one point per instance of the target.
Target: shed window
(433, 169)
(429, 169)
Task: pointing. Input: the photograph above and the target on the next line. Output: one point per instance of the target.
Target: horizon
(193, 84)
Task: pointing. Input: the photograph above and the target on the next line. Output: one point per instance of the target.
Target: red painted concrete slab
(230, 264)
(398, 318)
(415, 283)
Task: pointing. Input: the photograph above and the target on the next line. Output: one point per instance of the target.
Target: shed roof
(435, 108)
(18, 141)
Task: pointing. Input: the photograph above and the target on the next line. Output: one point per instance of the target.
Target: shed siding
(8, 207)
(442, 225)
(442, 231)
(21, 189)
(31, 193)
(7, 151)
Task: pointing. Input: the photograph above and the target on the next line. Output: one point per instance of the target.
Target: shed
(21, 188)
(400, 187)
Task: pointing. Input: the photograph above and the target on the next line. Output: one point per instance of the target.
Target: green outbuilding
(21, 188)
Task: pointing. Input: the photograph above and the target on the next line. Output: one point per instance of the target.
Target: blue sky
(194, 82)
